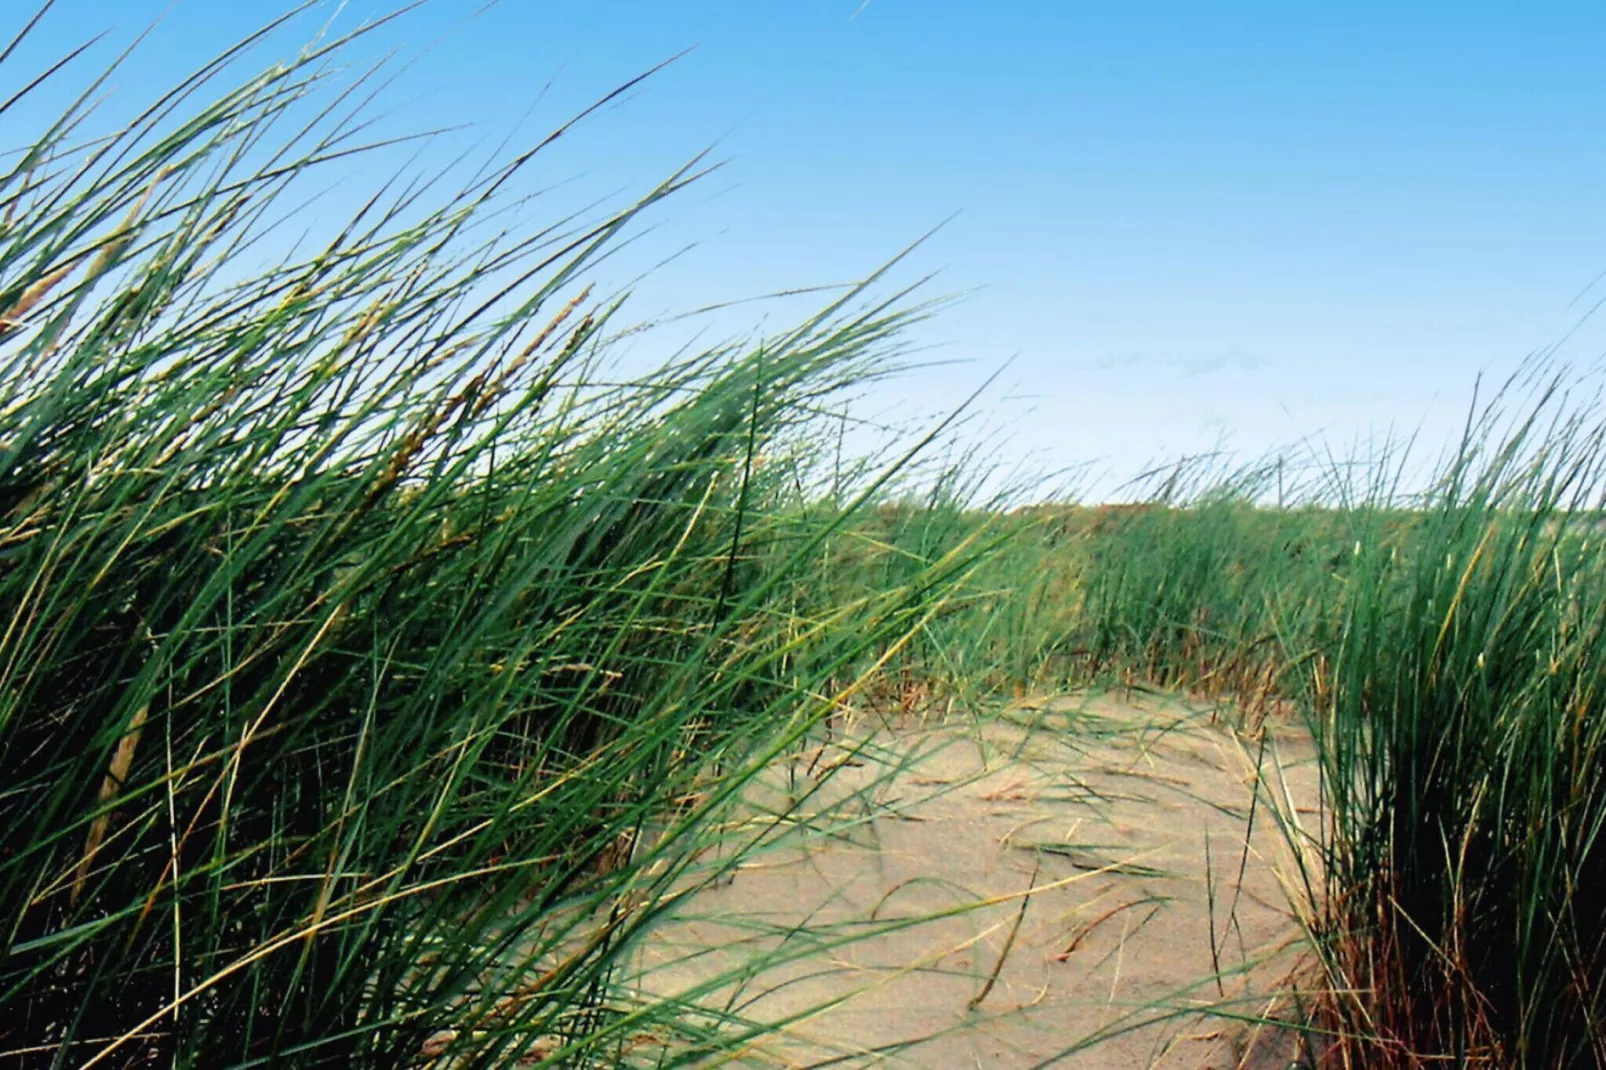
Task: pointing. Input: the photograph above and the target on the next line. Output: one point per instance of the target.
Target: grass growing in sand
(354, 621)
(358, 626)
(1449, 648)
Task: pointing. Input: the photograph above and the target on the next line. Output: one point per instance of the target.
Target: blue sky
(1182, 224)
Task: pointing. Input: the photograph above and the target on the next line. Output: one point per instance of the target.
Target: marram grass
(1449, 649)
(352, 627)
(373, 669)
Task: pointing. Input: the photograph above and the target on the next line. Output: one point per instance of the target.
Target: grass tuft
(356, 628)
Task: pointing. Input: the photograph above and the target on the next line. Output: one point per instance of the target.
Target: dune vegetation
(360, 621)
(356, 618)
(1447, 645)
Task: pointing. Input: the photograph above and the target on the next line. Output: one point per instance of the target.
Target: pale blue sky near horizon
(1182, 225)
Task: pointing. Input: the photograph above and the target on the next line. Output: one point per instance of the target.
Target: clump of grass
(355, 624)
(1463, 751)
(1448, 646)
(1216, 596)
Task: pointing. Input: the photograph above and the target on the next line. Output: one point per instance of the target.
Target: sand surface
(900, 895)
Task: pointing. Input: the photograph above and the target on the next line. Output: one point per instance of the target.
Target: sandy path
(1101, 805)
